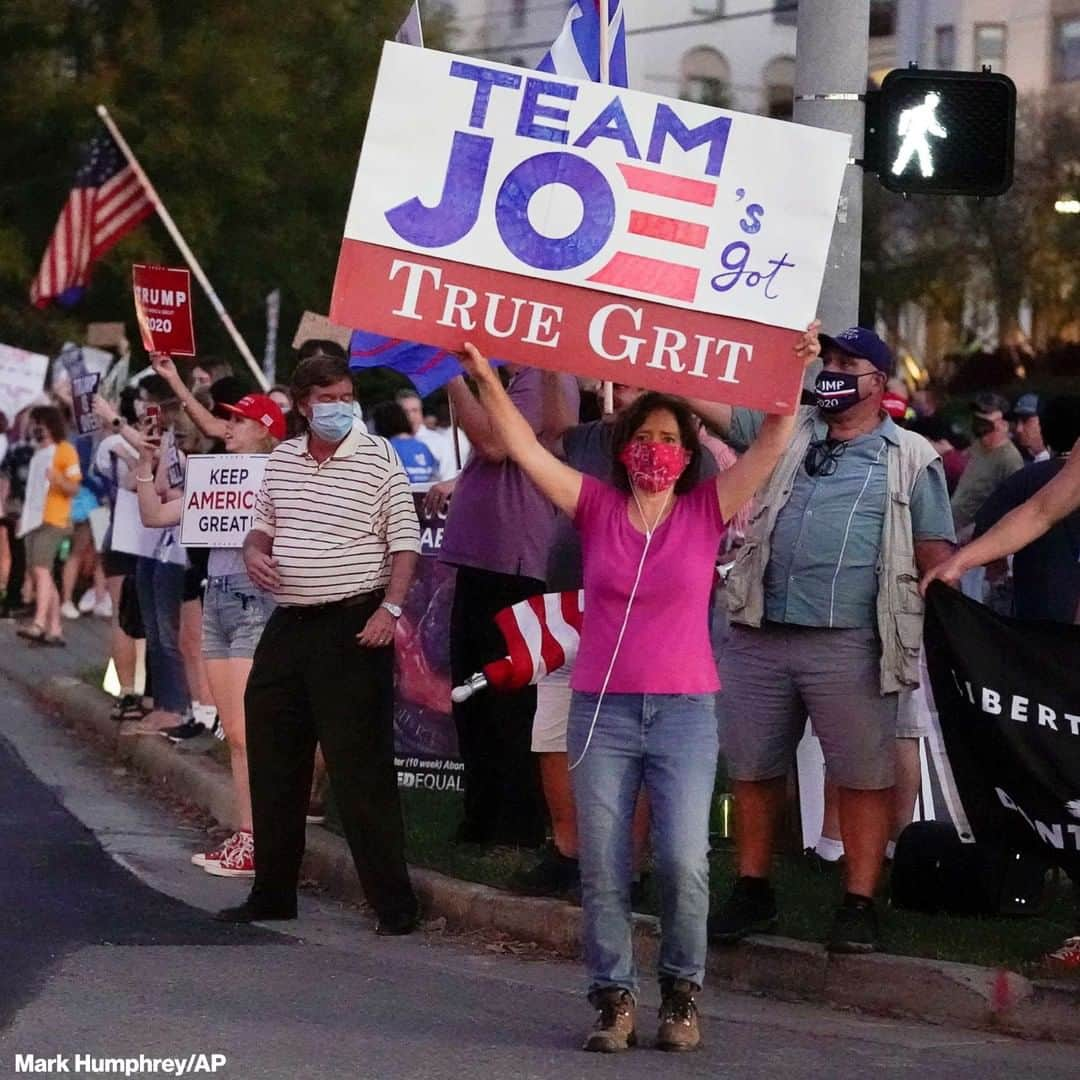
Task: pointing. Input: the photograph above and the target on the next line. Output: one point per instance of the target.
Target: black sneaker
(751, 909)
(855, 928)
(821, 865)
(554, 875)
(189, 729)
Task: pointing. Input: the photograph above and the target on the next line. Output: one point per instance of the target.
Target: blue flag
(427, 368)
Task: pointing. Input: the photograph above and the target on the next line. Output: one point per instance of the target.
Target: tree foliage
(247, 116)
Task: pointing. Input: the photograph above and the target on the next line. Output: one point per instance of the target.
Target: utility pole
(831, 63)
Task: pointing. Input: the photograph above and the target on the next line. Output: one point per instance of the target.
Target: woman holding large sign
(645, 682)
(234, 613)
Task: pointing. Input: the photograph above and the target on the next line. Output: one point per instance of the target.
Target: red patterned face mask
(654, 466)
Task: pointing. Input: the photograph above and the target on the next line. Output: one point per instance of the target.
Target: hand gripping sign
(163, 309)
(583, 227)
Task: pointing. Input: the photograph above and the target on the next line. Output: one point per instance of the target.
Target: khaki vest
(899, 605)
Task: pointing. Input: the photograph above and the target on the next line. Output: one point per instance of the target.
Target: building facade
(1035, 42)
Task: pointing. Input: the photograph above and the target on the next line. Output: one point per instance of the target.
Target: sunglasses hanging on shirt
(823, 457)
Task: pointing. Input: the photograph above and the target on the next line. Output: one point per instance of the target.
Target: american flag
(542, 634)
(106, 202)
(576, 51)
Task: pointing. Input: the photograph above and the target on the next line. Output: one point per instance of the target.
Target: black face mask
(981, 427)
(838, 391)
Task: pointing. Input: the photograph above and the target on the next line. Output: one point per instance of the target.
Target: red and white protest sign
(163, 309)
(588, 228)
(219, 499)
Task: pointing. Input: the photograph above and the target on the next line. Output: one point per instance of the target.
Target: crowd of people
(828, 521)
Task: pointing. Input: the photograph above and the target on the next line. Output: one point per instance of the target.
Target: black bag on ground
(130, 616)
(935, 871)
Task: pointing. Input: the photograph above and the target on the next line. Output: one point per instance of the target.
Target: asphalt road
(107, 950)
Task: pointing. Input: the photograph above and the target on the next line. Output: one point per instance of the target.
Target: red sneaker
(1065, 959)
(201, 858)
(237, 859)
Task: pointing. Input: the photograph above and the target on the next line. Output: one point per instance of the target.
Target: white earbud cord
(649, 530)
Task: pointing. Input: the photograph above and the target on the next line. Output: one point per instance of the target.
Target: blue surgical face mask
(332, 420)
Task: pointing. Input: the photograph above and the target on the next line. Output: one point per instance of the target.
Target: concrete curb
(934, 991)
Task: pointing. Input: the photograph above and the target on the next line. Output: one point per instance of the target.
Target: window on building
(708, 7)
(882, 18)
(945, 47)
(779, 80)
(518, 13)
(785, 12)
(706, 78)
(989, 46)
(1067, 49)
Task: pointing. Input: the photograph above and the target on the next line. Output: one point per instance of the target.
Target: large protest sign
(1008, 697)
(578, 226)
(163, 309)
(425, 740)
(219, 499)
(22, 378)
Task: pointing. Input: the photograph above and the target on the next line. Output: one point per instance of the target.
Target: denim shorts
(234, 615)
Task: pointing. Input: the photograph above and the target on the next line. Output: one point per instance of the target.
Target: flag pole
(605, 78)
(189, 257)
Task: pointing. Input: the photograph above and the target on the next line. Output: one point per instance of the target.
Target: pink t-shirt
(666, 648)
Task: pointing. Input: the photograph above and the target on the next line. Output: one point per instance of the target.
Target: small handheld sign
(163, 309)
(83, 389)
(219, 499)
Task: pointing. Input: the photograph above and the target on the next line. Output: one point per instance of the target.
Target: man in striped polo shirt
(335, 541)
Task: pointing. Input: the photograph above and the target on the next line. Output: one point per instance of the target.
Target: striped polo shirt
(335, 525)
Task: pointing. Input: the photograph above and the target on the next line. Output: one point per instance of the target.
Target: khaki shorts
(553, 696)
(777, 676)
(43, 545)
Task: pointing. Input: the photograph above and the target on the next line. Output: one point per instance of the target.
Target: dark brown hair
(632, 418)
(322, 363)
(50, 418)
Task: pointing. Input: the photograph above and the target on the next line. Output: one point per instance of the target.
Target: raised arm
(715, 413)
(155, 512)
(475, 421)
(1017, 529)
(736, 487)
(560, 483)
(203, 418)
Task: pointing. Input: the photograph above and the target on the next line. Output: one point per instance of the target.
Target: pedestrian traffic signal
(942, 132)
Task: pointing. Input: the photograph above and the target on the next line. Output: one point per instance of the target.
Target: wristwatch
(117, 423)
(392, 608)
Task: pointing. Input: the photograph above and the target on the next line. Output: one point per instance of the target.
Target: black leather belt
(359, 600)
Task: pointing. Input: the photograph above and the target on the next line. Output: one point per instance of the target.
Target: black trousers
(312, 683)
(504, 802)
(13, 596)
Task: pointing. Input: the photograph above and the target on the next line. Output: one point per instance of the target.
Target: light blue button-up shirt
(827, 539)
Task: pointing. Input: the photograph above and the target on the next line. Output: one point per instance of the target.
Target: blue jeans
(668, 742)
(160, 587)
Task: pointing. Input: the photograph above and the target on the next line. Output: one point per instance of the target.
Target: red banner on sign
(566, 328)
(163, 309)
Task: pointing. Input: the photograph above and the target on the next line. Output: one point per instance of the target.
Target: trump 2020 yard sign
(588, 228)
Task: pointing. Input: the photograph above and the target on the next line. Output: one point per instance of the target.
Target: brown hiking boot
(679, 1028)
(614, 1028)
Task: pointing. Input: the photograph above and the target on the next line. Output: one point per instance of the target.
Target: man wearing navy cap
(827, 623)
(1028, 427)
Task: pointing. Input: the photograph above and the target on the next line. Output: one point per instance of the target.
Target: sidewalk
(906, 987)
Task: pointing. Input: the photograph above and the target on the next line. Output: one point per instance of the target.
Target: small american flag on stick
(542, 634)
(107, 201)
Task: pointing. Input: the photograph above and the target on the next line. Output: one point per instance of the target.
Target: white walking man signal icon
(916, 126)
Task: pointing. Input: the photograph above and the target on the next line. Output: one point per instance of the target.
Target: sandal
(32, 632)
(57, 641)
